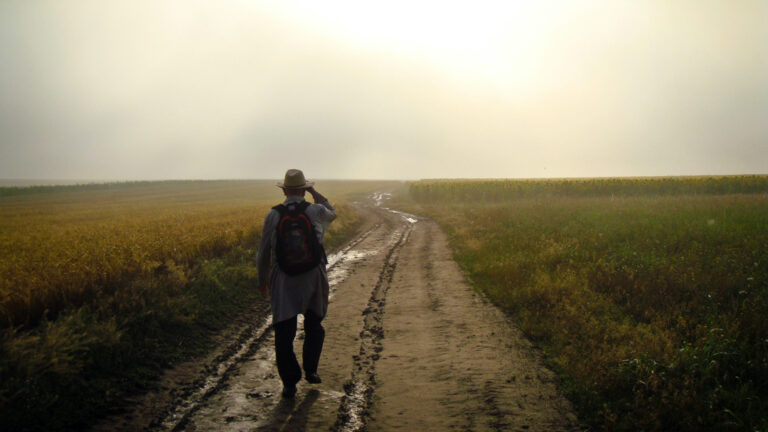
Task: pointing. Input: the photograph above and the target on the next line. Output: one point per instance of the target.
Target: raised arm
(329, 214)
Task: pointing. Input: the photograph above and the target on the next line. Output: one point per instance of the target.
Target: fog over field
(398, 89)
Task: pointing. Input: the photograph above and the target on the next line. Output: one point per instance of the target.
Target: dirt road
(409, 346)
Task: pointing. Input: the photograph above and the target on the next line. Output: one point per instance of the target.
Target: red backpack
(297, 248)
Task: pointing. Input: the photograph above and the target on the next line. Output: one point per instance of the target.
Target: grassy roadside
(64, 369)
(64, 373)
(651, 307)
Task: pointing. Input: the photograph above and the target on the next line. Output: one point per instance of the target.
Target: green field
(648, 296)
(104, 285)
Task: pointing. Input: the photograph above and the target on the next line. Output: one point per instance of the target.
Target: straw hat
(294, 179)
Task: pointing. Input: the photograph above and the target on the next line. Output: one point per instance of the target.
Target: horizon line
(32, 182)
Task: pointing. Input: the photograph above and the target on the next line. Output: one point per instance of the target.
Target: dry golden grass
(61, 248)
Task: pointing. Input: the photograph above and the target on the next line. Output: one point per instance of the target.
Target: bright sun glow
(517, 49)
(496, 43)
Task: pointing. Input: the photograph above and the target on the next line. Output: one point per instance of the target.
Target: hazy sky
(396, 89)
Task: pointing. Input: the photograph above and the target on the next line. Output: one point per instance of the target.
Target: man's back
(296, 290)
(320, 214)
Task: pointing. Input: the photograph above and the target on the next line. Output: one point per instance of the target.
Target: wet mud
(409, 346)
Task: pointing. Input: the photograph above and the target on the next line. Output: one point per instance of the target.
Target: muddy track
(247, 344)
(409, 346)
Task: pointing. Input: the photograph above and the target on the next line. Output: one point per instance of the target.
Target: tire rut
(359, 390)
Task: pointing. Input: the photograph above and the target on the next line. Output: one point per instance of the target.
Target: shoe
(289, 391)
(313, 378)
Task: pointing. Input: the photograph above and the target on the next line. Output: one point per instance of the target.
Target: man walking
(292, 272)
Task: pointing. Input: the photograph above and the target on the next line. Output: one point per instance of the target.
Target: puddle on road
(407, 216)
(380, 197)
(342, 266)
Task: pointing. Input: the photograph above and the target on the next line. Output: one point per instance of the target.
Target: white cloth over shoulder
(299, 294)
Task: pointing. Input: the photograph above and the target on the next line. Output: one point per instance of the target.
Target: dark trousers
(285, 332)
